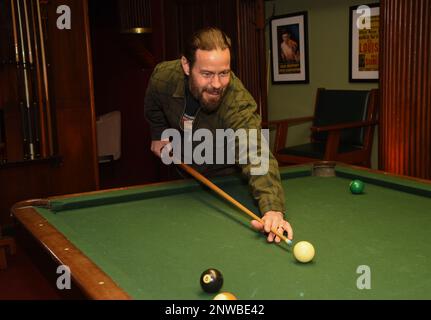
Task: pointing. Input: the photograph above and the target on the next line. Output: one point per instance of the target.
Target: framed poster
(364, 43)
(289, 48)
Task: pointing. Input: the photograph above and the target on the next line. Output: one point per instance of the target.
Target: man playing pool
(200, 91)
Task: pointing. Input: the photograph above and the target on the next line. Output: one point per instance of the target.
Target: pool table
(154, 241)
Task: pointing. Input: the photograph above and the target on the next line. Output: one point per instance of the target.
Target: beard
(212, 99)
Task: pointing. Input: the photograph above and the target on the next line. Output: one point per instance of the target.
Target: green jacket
(164, 108)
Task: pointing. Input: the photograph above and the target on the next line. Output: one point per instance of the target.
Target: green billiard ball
(357, 187)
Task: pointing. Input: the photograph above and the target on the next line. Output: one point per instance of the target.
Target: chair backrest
(341, 106)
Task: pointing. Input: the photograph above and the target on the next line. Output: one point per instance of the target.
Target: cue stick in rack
(29, 144)
(224, 195)
(45, 82)
(15, 36)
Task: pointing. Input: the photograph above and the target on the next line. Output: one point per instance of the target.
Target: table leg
(3, 262)
(6, 243)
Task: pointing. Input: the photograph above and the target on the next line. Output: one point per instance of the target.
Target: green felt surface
(156, 247)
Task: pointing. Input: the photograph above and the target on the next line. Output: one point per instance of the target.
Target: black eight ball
(211, 280)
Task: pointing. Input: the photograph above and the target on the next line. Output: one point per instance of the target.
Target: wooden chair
(342, 129)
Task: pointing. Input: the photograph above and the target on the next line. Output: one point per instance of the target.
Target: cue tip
(289, 242)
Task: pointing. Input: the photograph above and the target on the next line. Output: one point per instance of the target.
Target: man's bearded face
(209, 77)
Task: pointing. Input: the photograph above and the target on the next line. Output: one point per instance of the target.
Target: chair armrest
(290, 121)
(349, 125)
(281, 127)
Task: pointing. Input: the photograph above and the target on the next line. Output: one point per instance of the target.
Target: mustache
(214, 91)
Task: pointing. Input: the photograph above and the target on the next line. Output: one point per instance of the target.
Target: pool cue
(27, 106)
(27, 29)
(45, 83)
(224, 195)
(15, 36)
(33, 82)
(38, 107)
(18, 64)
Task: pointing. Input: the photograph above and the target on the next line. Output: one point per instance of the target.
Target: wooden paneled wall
(405, 81)
(71, 84)
(251, 50)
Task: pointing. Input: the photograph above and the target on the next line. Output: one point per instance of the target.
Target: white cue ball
(303, 251)
(225, 296)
